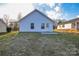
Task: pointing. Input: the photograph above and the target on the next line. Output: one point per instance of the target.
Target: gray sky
(12, 10)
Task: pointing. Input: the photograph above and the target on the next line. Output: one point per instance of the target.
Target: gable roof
(39, 12)
(3, 22)
(70, 21)
(73, 20)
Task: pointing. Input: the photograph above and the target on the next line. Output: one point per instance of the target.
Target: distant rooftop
(70, 21)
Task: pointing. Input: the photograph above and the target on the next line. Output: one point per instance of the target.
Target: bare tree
(6, 19)
(19, 16)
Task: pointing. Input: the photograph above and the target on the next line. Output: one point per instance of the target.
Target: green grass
(16, 43)
(8, 35)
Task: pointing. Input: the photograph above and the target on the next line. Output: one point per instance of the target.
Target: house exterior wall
(65, 26)
(60, 27)
(37, 19)
(68, 26)
(3, 27)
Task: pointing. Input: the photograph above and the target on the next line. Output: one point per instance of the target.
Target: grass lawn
(26, 44)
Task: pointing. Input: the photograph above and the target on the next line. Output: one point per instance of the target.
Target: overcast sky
(12, 10)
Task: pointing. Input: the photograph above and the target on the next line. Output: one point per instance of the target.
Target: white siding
(2, 27)
(60, 27)
(37, 19)
(65, 26)
(68, 26)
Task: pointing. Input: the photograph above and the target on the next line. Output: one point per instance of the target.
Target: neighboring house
(13, 25)
(71, 24)
(36, 22)
(3, 26)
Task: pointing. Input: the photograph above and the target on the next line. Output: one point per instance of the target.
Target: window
(47, 25)
(42, 26)
(32, 25)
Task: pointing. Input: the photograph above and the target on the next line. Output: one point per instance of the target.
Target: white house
(36, 22)
(71, 24)
(3, 26)
(64, 26)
